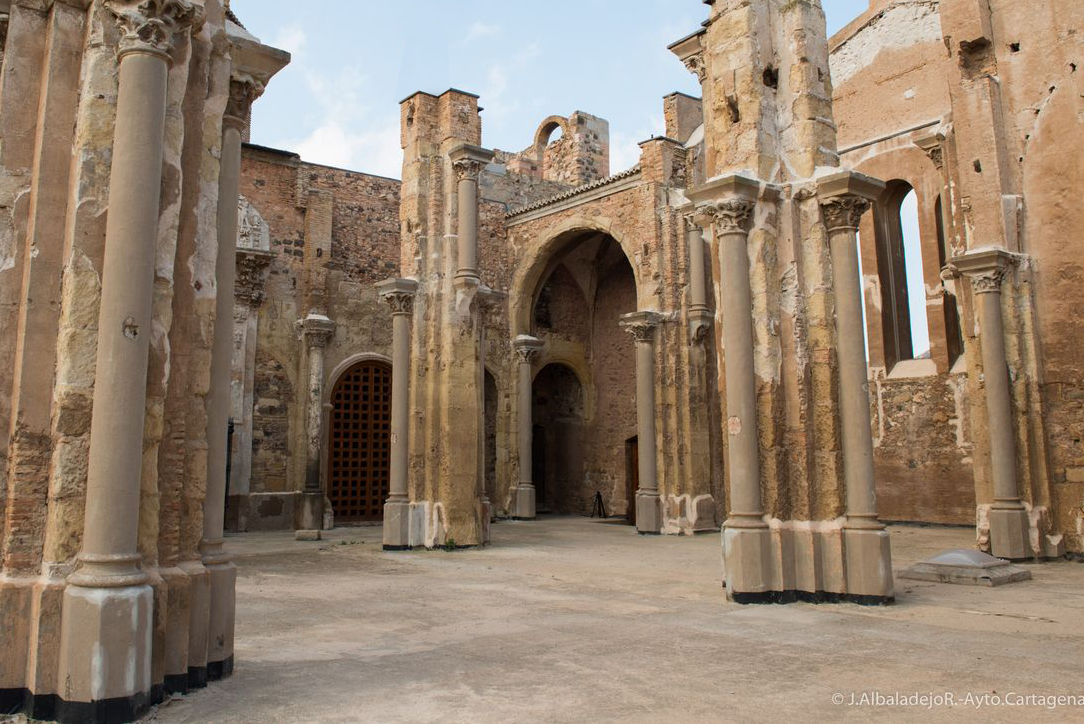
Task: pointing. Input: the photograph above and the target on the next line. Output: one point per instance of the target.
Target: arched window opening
(954, 336)
(900, 268)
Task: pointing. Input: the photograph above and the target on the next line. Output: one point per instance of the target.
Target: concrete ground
(570, 620)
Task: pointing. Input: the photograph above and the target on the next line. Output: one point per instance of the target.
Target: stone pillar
(222, 574)
(699, 312)
(643, 326)
(1010, 536)
(399, 295)
(844, 198)
(728, 209)
(468, 161)
(105, 637)
(317, 332)
(527, 350)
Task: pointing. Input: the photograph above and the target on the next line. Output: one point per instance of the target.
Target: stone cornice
(574, 197)
(149, 26)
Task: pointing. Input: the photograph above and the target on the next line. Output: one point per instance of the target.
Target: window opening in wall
(954, 338)
(862, 288)
(900, 270)
(916, 280)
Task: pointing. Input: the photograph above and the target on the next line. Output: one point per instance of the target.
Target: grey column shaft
(218, 398)
(698, 289)
(998, 403)
(468, 228)
(526, 423)
(400, 403)
(314, 417)
(853, 379)
(741, 383)
(124, 320)
(645, 415)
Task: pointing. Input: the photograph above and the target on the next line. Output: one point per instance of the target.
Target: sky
(337, 103)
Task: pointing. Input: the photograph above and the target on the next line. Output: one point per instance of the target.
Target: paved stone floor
(569, 620)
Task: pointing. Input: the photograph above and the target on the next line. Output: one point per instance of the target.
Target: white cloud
(375, 150)
(291, 38)
(480, 30)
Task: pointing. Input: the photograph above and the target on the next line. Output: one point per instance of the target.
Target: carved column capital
(149, 26)
(932, 145)
(844, 212)
(642, 325)
(252, 267)
(398, 294)
(317, 330)
(695, 65)
(468, 169)
(729, 216)
(527, 348)
(244, 90)
(400, 302)
(986, 268)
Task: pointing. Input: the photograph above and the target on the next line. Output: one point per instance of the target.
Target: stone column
(527, 350)
(222, 575)
(699, 313)
(1010, 528)
(727, 206)
(105, 637)
(317, 332)
(468, 162)
(643, 326)
(399, 295)
(844, 198)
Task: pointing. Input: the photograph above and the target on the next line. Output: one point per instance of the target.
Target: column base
(397, 526)
(178, 619)
(310, 516)
(222, 578)
(648, 513)
(1010, 534)
(105, 653)
(747, 563)
(525, 502)
(868, 556)
(199, 621)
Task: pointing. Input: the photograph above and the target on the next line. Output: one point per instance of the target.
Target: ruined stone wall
(981, 77)
(364, 249)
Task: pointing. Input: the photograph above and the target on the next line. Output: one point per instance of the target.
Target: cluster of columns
(107, 616)
(727, 207)
(1010, 526)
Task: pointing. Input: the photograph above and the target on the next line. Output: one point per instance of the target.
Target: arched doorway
(359, 442)
(582, 408)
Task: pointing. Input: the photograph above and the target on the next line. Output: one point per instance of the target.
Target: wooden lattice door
(360, 442)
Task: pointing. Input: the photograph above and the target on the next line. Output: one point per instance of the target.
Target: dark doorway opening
(632, 477)
(359, 443)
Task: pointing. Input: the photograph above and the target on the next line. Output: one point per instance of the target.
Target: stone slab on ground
(966, 567)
